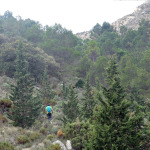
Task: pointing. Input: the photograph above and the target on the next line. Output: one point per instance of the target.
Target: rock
(84, 35)
(132, 20)
(68, 145)
(26, 149)
(63, 147)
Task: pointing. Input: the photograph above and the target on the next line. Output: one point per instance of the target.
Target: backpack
(48, 109)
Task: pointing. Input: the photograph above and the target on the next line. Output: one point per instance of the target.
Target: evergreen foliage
(46, 91)
(114, 128)
(6, 146)
(65, 91)
(88, 102)
(37, 60)
(115, 124)
(79, 133)
(26, 108)
(84, 66)
(132, 45)
(79, 83)
(70, 106)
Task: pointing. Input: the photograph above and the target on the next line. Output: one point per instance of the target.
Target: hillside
(97, 84)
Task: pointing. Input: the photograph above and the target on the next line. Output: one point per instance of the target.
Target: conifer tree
(114, 127)
(64, 91)
(26, 108)
(88, 101)
(70, 107)
(46, 91)
(136, 96)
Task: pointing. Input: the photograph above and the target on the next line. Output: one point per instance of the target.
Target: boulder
(68, 145)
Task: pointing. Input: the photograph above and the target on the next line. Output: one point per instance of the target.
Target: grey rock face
(132, 20)
(84, 35)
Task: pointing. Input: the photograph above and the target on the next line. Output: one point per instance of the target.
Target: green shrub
(6, 146)
(79, 133)
(54, 147)
(35, 135)
(22, 139)
(79, 83)
(50, 137)
(37, 125)
(43, 130)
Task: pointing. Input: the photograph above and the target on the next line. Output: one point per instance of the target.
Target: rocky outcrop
(84, 35)
(132, 20)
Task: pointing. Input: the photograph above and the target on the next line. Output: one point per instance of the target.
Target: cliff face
(84, 35)
(132, 20)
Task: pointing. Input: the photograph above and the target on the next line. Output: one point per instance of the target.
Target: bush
(6, 146)
(50, 137)
(22, 139)
(35, 135)
(54, 147)
(43, 131)
(79, 133)
(79, 83)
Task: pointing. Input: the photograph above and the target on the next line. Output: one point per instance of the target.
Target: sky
(74, 15)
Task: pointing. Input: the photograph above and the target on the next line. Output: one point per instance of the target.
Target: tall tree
(114, 126)
(46, 91)
(26, 108)
(88, 101)
(70, 107)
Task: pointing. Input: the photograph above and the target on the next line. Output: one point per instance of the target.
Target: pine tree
(70, 107)
(114, 127)
(136, 96)
(88, 101)
(64, 91)
(26, 108)
(46, 91)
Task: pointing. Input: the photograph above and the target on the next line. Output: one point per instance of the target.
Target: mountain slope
(132, 20)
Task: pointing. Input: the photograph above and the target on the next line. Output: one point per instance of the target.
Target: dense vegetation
(103, 105)
(82, 57)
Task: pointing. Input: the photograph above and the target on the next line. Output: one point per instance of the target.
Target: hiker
(49, 111)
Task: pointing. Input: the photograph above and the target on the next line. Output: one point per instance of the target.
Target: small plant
(60, 134)
(54, 147)
(6, 146)
(54, 130)
(43, 130)
(79, 84)
(23, 139)
(35, 135)
(50, 137)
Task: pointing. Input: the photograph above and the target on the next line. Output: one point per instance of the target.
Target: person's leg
(49, 116)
